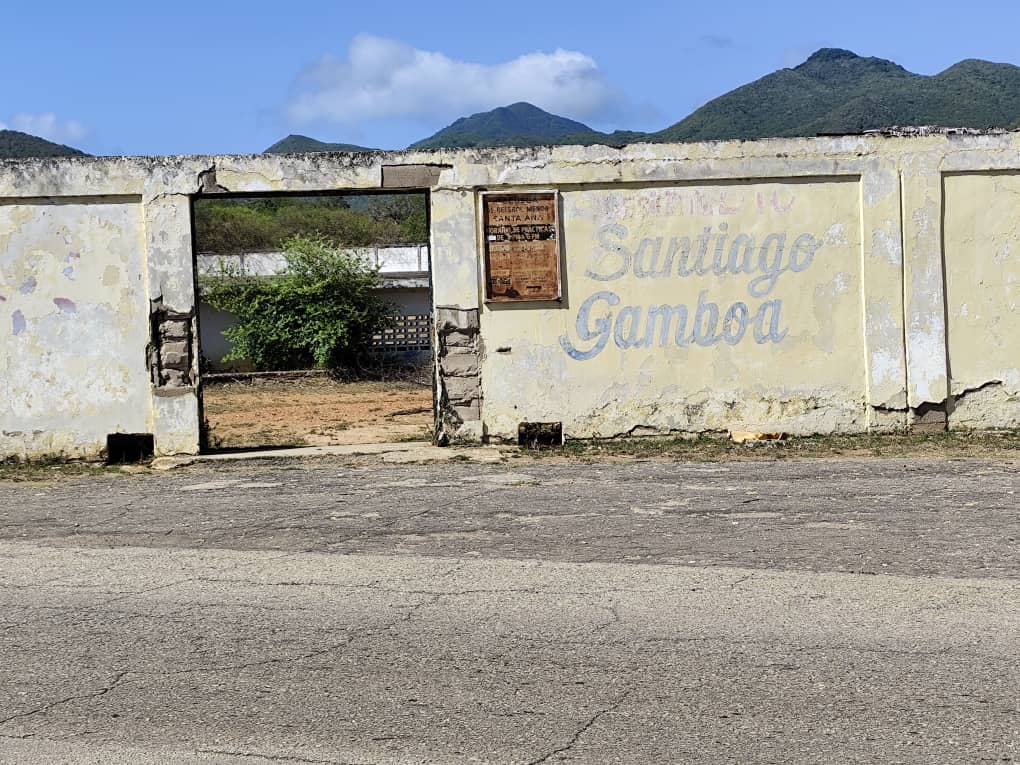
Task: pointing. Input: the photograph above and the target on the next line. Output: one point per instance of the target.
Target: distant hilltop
(296, 144)
(834, 92)
(17, 145)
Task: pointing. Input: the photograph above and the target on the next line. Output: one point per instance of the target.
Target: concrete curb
(408, 452)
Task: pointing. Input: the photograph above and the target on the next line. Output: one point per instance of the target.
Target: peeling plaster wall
(73, 327)
(692, 308)
(982, 254)
(80, 368)
(895, 305)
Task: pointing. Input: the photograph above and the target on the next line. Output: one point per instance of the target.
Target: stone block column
(456, 308)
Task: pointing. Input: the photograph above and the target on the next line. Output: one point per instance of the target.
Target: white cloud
(383, 78)
(46, 125)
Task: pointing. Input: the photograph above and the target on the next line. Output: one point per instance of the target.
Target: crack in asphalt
(741, 580)
(67, 700)
(582, 730)
(354, 635)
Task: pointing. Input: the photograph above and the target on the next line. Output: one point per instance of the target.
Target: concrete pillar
(456, 309)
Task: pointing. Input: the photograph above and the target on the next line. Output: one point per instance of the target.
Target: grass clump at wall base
(45, 471)
(322, 312)
(717, 447)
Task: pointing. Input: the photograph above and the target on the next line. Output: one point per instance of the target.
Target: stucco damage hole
(411, 176)
(171, 341)
(207, 183)
(930, 416)
(129, 447)
(991, 384)
(534, 435)
(991, 405)
(890, 408)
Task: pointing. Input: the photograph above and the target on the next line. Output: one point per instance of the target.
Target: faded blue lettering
(706, 317)
(610, 249)
(773, 334)
(599, 333)
(735, 323)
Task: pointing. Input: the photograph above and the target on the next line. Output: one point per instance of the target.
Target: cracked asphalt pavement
(814, 611)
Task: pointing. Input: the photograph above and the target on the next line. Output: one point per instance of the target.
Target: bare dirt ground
(315, 411)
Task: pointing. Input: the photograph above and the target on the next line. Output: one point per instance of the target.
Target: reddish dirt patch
(315, 411)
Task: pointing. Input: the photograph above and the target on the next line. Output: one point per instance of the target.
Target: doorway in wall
(314, 319)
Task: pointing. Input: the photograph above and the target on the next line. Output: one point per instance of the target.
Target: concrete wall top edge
(499, 166)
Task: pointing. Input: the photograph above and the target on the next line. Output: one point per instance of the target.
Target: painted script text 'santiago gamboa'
(705, 323)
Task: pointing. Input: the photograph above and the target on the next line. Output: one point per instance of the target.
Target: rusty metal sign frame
(554, 259)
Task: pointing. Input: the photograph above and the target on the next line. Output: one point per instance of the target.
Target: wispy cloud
(46, 125)
(385, 78)
(718, 41)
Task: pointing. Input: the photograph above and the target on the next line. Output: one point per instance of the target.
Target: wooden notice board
(522, 246)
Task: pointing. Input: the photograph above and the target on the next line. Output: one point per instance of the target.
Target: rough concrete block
(175, 329)
(462, 389)
(471, 431)
(175, 355)
(460, 363)
(469, 412)
(457, 320)
(174, 378)
(174, 346)
(459, 340)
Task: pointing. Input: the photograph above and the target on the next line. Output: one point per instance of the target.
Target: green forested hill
(294, 144)
(17, 145)
(520, 124)
(836, 91)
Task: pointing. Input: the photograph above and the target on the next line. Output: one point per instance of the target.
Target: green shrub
(322, 312)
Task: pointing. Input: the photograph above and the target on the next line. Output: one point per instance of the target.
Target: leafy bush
(322, 312)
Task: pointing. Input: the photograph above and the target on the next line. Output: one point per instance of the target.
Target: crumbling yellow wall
(824, 285)
(902, 316)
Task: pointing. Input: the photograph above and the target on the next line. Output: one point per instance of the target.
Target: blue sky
(220, 76)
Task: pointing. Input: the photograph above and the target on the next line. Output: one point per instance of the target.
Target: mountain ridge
(834, 91)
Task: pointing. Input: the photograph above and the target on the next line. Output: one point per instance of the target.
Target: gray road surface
(319, 612)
